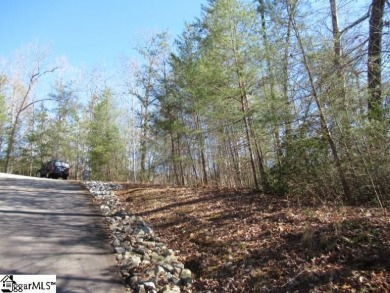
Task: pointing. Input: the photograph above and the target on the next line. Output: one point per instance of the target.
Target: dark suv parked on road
(54, 169)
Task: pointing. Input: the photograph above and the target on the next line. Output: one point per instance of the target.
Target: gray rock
(138, 232)
(177, 267)
(144, 261)
(133, 282)
(140, 250)
(150, 274)
(170, 289)
(105, 209)
(127, 245)
(168, 252)
(167, 267)
(133, 262)
(156, 257)
(175, 280)
(127, 229)
(147, 230)
(158, 270)
(141, 289)
(186, 276)
(146, 257)
(116, 242)
(149, 285)
(124, 273)
(149, 244)
(120, 249)
(170, 259)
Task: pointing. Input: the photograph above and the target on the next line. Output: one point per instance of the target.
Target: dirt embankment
(242, 241)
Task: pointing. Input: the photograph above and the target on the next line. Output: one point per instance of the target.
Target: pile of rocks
(146, 263)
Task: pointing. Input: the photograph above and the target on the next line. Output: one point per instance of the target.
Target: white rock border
(145, 263)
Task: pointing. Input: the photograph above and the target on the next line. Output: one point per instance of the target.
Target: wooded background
(288, 97)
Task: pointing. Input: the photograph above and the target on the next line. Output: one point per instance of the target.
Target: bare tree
(22, 93)
(3, 116)
(153, 51)
(322, 115)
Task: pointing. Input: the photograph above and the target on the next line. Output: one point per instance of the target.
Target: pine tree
(106, 148)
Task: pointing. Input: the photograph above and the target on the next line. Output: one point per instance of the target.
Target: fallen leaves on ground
(243, 241)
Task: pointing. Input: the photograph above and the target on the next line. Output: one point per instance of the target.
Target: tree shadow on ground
(243, 241)
(320, 258)
(51, 227)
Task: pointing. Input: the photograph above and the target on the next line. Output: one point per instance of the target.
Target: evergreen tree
(106, 148)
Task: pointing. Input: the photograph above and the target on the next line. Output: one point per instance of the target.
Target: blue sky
(89, 32)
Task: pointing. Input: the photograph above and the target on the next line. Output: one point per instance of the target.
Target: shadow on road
(51, 227)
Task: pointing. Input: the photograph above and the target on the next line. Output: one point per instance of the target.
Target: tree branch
(32, 103)
(363, 18)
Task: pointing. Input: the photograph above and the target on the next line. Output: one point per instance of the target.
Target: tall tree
(153, 52)
(63, 121)
(322, 115)
(374, 60)
(232, 46)
(39, 137)
(275, 35)
(3, 109)
(22, 88)
(106, 148)
(193, 101)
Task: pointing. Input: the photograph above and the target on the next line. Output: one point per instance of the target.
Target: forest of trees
(288, 97)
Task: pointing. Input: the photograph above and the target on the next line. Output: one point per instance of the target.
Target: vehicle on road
(54, 169)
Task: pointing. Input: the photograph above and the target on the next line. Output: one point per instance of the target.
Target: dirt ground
(243, 241)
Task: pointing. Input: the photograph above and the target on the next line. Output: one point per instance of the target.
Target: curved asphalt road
(50, 227)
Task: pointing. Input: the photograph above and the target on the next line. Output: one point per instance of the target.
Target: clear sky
(90, 31)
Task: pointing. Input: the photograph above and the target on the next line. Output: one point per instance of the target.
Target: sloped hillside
(242, 241)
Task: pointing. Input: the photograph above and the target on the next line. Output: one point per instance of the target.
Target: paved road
(50, 227)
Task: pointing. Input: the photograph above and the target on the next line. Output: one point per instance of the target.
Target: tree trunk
(249, 141)
(374, 60)
(271, 76)
(286, 63)
(231, 145)
(323, 120)
(244, 107)
(11, 136)
(174, 160)
(11, 139)
(336, 36)
(182, 177)
(143, 140)
(202, 152)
